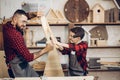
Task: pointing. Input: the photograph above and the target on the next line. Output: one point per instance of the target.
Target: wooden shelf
(97, 23)
(66, 24)
(90, 47)
(103, 70)
(104, 46)
(35, 47)
(61, 24)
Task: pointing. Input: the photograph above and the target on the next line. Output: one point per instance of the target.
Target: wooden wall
(1, 38)
(3, 67)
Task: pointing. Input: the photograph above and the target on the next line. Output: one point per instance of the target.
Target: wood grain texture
(1, 38)
(76, 10)
(53, 66)
(59, 78)
(3, 67)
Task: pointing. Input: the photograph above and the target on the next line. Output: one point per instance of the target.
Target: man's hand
(48, 47)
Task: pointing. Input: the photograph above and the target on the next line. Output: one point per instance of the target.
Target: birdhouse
(98, 13)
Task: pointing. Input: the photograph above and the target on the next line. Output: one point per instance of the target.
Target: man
(16, 52)
(77, 50)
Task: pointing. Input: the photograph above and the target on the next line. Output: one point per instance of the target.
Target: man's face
(21, 22)
(72, 39)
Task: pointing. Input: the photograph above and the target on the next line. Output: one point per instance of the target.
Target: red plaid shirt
(14, 41)
(81, 51)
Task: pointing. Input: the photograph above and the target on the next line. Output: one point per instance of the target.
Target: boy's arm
(63, 48)
(61, 45)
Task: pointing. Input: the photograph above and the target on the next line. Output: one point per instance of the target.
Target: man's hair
(79, 32)
(20, 12)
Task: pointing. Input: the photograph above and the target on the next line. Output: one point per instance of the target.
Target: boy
(77, 50)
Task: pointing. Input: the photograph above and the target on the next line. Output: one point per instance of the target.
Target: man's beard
(20, 30)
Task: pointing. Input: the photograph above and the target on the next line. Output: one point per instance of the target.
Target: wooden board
(27, 78)
(72, 78)
(53, 66)
(117, 3)
(109, 63)
(1, 38)
(59, 78)
(3, 67)
(39, 65)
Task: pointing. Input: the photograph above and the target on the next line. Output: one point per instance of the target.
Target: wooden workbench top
(57, 78)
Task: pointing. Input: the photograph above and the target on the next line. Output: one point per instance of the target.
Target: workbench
(57, 78)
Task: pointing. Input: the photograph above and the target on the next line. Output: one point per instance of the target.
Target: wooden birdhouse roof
(97, 6)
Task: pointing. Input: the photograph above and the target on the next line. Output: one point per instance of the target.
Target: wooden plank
(53, 66)
(1, 38)
(72, 78)
(58, 78)
(27, 78)
(3, 67)
(109, 63)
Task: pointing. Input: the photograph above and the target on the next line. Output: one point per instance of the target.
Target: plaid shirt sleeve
(79, 47)
(18, 44)
(65, 51)
(81, 51)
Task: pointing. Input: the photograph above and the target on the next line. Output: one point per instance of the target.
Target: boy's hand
(58, 46)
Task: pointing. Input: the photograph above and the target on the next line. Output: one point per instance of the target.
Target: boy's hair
(79, 32)
(20, 12)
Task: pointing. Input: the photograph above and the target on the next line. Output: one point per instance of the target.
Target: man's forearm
(43, 51)
(39, 53)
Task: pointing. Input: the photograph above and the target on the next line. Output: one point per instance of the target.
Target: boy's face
(72, 39)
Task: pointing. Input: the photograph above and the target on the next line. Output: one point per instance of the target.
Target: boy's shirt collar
(79, 41)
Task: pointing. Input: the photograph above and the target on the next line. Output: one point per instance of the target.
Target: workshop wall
(7, 8)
